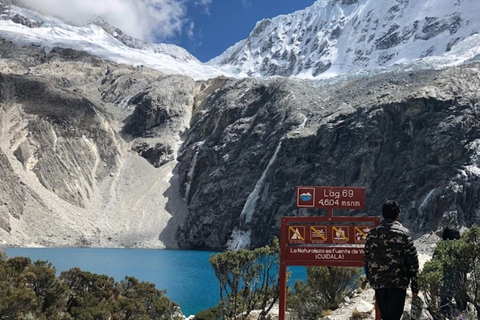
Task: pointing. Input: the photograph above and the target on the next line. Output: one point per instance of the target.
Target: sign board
(331, 231)
(331, 197)
(325, 241)
(296, 234)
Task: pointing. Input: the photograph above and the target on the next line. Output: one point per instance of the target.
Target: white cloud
(246, 3)
(189, 30)
(145, 19)
(205, 4)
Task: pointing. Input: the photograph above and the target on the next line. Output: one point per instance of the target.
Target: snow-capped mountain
(96, 153)
(334, 37)
(174, 51)
(24, 26)
(329, 38)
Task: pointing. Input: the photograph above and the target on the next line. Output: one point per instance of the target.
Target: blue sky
(218, 24)
(205, 28)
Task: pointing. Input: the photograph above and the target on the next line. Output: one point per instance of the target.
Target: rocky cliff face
(67, 146)
(409, 136)
(76, 135)
(95, 153)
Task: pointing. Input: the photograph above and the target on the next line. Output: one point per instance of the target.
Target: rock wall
(411, 136)
(99, 154)
(79, 137)
(68, 145)
(13, 199)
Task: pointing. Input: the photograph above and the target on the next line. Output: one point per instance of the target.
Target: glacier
(324, 41)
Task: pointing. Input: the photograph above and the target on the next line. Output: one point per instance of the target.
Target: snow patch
(249, 207)
(425, 201)
(302, 125)
(239, 239)
(473, 169)
(191, 171)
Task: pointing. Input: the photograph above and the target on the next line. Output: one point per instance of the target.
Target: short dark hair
(450, 234)
(390, 209)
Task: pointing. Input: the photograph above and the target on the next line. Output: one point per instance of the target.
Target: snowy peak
(26, 27)
(162, 48)
(329, 38)
(334, 37)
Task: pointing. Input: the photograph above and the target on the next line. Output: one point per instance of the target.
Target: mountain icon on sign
(306, 196)
(295, 235)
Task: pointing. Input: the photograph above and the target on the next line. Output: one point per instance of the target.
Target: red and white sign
(331, 197)
(329, 241)
(327, 255)
(318, 234)
(340, 234)
(296, 234)
(306, 197)
(315, 241)
(331, 230)
(360, 233)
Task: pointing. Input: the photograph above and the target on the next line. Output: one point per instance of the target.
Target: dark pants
(390, 302)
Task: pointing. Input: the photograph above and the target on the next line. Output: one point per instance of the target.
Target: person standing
(391, 262)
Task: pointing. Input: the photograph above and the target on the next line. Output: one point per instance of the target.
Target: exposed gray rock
(158, 108)
(69, 120)
(345, 2)
(66, 139)
(66, 176)
(157, 154)
(161, 111)
(410, 136)
(4, 6)
(12, 194)
(389, 40)
(434, 26)
(24, 21)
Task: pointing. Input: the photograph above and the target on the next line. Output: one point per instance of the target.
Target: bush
(304, 303)
(248, 280)
(214, 313)
(325, 289)
(3, 255)
(453, 271)
(32, 290)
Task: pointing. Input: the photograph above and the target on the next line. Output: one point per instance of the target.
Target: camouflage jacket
(391, 259)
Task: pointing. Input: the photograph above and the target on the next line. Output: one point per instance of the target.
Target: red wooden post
(378, 316)
(282, 308)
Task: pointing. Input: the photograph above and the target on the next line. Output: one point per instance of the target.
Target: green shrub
(454, 270)
(214, 313)
(325, 289)
(304, 303)
(32, 290)
(248, 280)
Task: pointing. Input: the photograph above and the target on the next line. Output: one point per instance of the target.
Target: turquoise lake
(186, 275)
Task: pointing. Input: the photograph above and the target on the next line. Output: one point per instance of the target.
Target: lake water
(186, 275)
